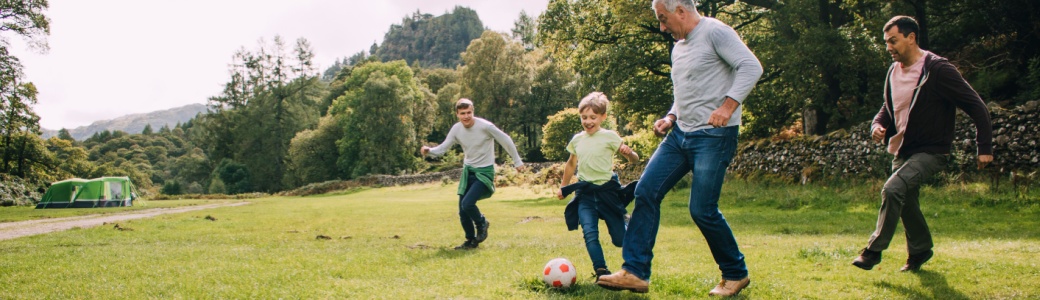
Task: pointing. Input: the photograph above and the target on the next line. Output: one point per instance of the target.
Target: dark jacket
(612, 198)
(930, 126)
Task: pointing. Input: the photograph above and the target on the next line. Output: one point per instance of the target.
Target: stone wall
(852, 152)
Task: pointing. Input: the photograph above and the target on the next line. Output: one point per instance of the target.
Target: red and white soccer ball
(559, 273)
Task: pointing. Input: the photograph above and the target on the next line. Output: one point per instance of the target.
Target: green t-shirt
(595, 154)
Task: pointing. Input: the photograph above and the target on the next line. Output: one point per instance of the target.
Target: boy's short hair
(463, 103)
(596, 101)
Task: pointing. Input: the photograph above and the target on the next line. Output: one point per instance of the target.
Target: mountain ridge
(135, 123)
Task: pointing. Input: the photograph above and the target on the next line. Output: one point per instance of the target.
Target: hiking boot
(867, 259)
(482, 231)
(623, 280)
(914, 262)
(728, 288)
(600, 272)
(469, 244)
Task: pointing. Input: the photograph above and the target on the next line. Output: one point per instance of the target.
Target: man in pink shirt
(922, 94)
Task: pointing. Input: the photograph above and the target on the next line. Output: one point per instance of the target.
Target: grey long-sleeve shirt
(478, 143)
(708, 65)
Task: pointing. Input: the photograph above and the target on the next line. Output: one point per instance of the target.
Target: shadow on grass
(581, 290)
(934, 282)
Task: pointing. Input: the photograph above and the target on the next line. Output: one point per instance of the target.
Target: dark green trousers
(899, 201)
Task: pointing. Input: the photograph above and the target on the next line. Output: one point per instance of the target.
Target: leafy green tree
(312, 154)
(65, 135)
(495, 76)
(147, 129)
(380, 111)
(234, 176)
(271, 96)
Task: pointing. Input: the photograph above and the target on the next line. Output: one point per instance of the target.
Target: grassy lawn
(395, 243)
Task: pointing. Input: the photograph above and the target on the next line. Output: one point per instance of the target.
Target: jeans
(589, 216)
(707, 153)
(899, 202)
(469, 214)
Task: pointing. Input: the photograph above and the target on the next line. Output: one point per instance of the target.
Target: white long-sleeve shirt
(708, 65)
(477, 143)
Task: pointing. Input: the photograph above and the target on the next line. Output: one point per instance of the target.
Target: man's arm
(507, 143)
(449, 141)
(952, 86)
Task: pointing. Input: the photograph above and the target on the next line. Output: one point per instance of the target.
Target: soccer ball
(559, 273)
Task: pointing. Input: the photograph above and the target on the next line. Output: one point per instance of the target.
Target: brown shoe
(623, 280)
(728, 288)
(914, 262)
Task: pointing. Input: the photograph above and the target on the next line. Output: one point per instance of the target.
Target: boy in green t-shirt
(598, 194)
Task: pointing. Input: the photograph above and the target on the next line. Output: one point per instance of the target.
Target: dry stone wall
(851, 152)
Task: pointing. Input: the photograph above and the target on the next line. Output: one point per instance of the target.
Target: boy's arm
(628, 153)
(568, 172)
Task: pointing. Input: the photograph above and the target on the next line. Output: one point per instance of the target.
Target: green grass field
(395, 243)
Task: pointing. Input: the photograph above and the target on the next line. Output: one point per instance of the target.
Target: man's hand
(878, 134)
(521, 168)
(424, 150)
(559, 194)
(984, 160)
(720, 117)
(661, 126)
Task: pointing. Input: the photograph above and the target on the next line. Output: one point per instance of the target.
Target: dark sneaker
(482, 231)
(601, 272)
(469, 244)
(867, 259)
(914, 262)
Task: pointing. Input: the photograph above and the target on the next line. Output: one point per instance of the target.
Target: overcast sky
(110, 58)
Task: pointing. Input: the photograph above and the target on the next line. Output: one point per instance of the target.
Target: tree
(147, 129)
(312, 154)
(525, 30)
(495, 76)
(380, 113)
(271, 96)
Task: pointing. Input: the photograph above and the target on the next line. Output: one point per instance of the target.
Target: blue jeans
(469, 214)
(707, 153)
(589, 216)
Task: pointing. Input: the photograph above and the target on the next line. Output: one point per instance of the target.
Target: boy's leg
(615, 226)
(589, 219)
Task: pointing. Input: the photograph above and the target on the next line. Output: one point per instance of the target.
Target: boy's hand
(424, 150)
(624, 149)
(559, 194)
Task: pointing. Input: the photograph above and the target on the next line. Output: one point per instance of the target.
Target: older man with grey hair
(713, 72)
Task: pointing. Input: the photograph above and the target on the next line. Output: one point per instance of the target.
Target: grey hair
(670, 5)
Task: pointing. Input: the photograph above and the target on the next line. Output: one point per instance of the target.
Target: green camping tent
(97, 192)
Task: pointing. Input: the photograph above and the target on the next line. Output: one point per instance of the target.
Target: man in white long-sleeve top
(477, 138)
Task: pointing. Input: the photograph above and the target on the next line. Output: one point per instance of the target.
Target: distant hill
(135, 123)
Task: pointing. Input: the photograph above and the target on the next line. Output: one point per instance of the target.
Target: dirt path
(11, 230)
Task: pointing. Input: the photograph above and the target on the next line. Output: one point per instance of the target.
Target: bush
(15, 191)
(557, 133)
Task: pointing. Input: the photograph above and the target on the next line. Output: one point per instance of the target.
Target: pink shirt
(904, 82)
